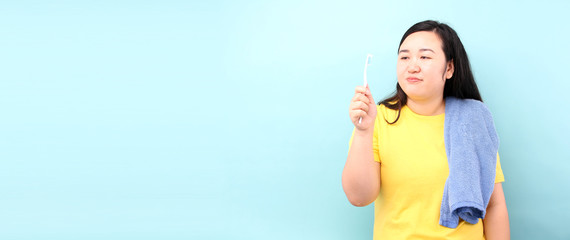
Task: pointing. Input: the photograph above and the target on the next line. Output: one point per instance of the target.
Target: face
(422, 68)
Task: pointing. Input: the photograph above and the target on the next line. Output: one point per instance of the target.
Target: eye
(425, 57)
(403, 58)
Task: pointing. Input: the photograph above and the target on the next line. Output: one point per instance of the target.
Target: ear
(450, 68)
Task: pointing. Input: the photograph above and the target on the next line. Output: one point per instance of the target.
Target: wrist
(364, 133)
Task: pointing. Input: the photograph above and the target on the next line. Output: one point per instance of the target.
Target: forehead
(420, 40)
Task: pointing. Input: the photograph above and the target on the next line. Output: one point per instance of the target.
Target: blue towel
(471, 144)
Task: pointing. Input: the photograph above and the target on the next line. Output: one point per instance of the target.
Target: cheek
(433, 70)
(400, 69)
(427, 68)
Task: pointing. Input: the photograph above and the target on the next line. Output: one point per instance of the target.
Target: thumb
(369, 94)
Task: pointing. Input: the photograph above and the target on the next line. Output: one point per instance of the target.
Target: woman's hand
(362, 106)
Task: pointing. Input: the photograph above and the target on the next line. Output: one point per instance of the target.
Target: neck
(427, 107)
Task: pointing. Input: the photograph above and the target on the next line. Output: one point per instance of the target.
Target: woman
(397, 156)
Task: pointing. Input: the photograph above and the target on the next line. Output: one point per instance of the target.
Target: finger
(367, 91)
(358, 113)
(369, 96)
(354, 98)
(363, 106)
(364, 98)
(358, 105)
(355, 115)
(353, 107)
(360, 97)
(357, 94)
(360, 89)
(362, 114)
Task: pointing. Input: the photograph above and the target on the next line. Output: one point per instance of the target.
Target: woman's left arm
(496, 222)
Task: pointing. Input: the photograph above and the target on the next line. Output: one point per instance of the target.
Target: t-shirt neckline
(407, 109)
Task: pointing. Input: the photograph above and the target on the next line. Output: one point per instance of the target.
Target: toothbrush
(368, 57)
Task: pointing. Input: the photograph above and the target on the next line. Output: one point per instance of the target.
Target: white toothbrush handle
(365, 81)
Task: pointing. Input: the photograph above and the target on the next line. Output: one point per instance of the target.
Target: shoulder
(470, 103)
(469, 107)
(385, 108)
(470, 113)
(385, 113)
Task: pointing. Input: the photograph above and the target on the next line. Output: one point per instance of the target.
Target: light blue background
(229, 119)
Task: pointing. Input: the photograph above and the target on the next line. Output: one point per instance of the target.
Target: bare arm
(361, 174)
(496, 222)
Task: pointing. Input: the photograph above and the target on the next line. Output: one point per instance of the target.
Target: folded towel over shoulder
(471, 144)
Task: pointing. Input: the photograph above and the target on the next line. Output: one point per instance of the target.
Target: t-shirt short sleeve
(375, 147)
(499, 177)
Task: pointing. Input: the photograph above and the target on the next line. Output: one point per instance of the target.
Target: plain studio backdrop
(229, 119)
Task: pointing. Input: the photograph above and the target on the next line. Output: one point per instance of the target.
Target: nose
(413, 67)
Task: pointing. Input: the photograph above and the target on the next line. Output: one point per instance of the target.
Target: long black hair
(460, 85)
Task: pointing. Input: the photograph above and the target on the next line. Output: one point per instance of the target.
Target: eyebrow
(421, 50)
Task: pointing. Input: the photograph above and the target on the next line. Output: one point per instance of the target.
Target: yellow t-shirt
(413, 171)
